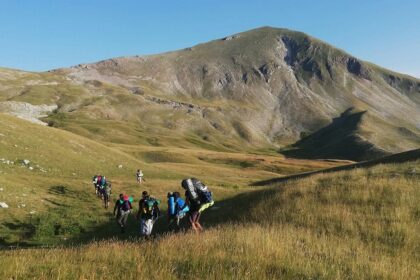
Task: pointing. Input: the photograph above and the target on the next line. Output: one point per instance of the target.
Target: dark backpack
(151, 207)
(198, 192)
(125, 205)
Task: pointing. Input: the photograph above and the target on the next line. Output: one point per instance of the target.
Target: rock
(32, 212)
(1, 189)
(26, 162)
(120, 166)
(4, 205)
(31, 168)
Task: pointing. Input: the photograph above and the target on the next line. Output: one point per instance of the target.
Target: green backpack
(151, 205)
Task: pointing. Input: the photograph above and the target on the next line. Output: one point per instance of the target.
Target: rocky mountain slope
(266, 87)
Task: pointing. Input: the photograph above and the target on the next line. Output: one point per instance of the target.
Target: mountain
(264, 88)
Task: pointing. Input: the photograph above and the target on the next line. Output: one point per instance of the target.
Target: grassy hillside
(261, 89)
(357, 224)
(51, 198)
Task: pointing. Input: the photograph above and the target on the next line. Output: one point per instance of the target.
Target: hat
(125, 197)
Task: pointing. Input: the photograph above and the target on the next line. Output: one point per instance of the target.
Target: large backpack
(181, 206)
(151, 207)
(125, 205)
(198, 192)
(171, 205)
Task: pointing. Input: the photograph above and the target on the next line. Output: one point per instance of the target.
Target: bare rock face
(26, 110)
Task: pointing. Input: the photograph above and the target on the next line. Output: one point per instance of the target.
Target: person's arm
(140, 209)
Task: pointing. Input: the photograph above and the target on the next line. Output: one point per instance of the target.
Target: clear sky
(41, 35)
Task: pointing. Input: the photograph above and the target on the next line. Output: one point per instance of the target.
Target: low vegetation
(357, 224)
(51, 198)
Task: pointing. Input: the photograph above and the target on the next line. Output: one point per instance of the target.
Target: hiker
(98, 185)
(106, 193)
(148, 213)
(139, 176)
(94, 182)
(198, 198)
(177, 209)
(123, 208)
(102, 185)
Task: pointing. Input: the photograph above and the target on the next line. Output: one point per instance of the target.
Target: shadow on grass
(396, 158)
(232, 210)
(228, 211)
(338, 140)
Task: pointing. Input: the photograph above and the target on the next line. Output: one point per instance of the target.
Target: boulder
(4, 205)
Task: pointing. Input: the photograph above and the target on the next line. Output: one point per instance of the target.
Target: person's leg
(177, 222)
(124, 217)
(119, 219)
(171, 224)
(143, 227)
(149, 227)
(197, 222)
(195, 216)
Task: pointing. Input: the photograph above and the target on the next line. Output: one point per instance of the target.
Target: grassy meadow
(357, 224)
(51, 200)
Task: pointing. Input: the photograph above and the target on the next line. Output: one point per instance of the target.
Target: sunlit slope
(267, 86)
(46, 179)
(56, 178)
(357, 224)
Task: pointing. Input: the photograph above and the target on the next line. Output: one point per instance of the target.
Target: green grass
(358, 224)
(53, 202)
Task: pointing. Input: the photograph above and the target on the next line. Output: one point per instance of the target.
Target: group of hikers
(197, 198)
(102, 188)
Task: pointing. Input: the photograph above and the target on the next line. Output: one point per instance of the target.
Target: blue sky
(42, 35)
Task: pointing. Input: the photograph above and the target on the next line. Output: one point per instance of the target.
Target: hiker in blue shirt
(177, 209)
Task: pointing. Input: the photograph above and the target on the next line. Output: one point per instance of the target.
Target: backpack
(150, 206)
(125, 205)
(171, 205)
(198, 192)
(181, 206)
(103, 181)
(98, 180)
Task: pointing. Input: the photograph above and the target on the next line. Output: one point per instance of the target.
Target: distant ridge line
(411, 155)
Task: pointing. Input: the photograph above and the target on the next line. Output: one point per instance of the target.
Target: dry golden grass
(358, 224)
